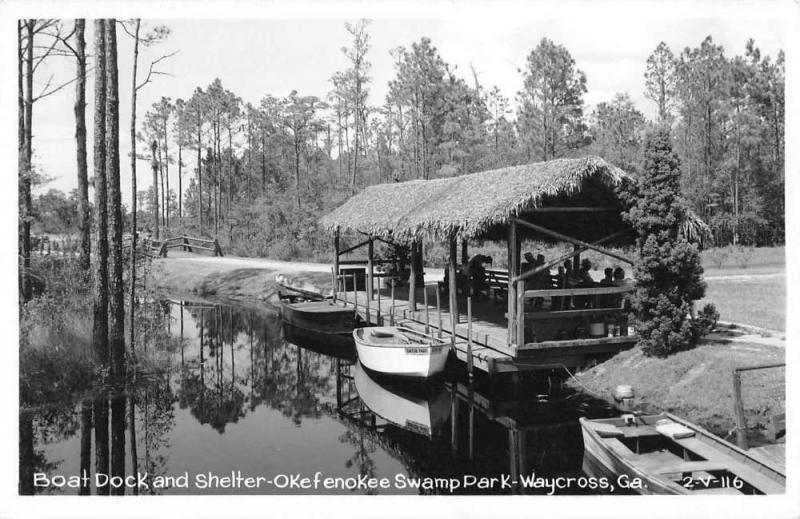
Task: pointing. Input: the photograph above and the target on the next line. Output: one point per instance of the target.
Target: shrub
(718, 255)
(706, 321)
(667, 271)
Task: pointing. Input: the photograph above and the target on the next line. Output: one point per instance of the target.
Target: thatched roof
(477, 205)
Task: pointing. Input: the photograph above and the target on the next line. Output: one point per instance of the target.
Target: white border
(12, 505)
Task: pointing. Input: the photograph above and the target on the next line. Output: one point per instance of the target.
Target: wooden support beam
(354, 247)
(336, 256)
(738, 407)
(512, 272)
(520, 315)
(412, 279)
(572, 240)
(582, 209)
(370, 269)
(453, 294)
(464, 255)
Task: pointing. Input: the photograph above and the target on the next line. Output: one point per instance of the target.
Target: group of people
(568, 277)
(472, 275)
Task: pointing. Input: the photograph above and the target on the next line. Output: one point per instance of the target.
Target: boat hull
(409, 360)
(324, 317)
(599, 461)
(672, 451)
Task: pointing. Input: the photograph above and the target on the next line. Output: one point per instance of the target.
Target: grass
(759, 301)
(697, 384)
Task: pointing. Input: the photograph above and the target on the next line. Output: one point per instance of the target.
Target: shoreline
(695, 384)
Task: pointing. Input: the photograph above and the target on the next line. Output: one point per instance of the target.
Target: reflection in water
(420, 407)
(221, 389)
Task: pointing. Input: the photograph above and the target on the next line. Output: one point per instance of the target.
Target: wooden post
(412, 280)
(513, 254)
(439, 309)
(425, 301)
(333, 277)
(355, 293)
(336, 253)
(378, 317)
(738, 407)
(520, 313)
(391, 319)
(464, 256)
(370, 269)
(469, 337)
(453, 295)
(367, 308)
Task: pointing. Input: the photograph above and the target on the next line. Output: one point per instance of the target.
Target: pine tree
(668, 271)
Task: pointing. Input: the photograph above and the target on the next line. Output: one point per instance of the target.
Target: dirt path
(243, 279)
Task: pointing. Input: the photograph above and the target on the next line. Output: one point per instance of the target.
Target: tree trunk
(118, 418)
(180, 182)
(166, 173)
(86, 446)
(200, 173)
(84, 218)
(117, 301)
(134, 230)
(297, 167)
(355, 138)
(27, 168)
(100, 326)
(154, 204)
(101, 462)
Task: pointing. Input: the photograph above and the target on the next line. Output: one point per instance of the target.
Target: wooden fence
(187, 244)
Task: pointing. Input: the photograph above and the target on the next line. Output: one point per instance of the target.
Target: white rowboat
(396, 350)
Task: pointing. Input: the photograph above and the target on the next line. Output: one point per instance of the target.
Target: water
(230, 392)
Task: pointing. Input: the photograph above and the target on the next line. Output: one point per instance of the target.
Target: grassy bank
(698, 384)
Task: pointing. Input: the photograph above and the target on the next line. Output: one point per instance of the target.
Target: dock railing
(777, 422)
(595, 306)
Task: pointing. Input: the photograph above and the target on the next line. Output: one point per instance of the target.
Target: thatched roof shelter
(480, 205)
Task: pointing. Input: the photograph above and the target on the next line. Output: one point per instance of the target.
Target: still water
(232, 394)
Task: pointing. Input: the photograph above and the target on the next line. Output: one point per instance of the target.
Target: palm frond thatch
(468, 205)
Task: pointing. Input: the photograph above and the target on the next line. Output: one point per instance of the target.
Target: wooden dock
(491, 351)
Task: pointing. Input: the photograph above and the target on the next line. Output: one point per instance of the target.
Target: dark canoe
(325, 317)
(673, 456)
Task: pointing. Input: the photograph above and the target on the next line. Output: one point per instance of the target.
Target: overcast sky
(258, 57)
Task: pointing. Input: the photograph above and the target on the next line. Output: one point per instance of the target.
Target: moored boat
(324, 317)
(397, 350)
(669, 455)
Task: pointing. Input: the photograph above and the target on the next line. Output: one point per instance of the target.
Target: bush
(706, 321)
(668, 271)
(718, 255)
(743, 255)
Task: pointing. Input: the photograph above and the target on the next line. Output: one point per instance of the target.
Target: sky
(275, 56)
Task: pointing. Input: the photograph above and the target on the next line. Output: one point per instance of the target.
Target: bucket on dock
(597, 329)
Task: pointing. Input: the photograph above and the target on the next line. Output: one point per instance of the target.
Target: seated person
(559, 280)
(606, 300)
(622, 300)
(585, 280)
(477, 275)
(541, 280)
(570, 281)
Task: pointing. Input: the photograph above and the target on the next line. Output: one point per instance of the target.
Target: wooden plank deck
(491, 350)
